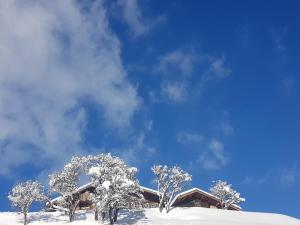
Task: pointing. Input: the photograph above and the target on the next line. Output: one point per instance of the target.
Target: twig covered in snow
(24, 194)
(226, 194)
(115, 184)
(169, 182)
(65, 183)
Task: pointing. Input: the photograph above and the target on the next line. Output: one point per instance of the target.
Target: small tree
(169, 182)
(24, 194)
(226, 194)
(65, 183)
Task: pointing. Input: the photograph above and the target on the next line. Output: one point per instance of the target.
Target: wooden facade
(192, 198)
(150, 198)
(198, 198)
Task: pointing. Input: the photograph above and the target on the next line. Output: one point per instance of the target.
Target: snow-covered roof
(202, 192)
(81, 188)
(149, 190)
(88, 185)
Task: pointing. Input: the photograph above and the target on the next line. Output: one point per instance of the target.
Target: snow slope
(177, 216)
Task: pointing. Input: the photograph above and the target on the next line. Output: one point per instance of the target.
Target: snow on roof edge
(202, 191)
(91, 184)
(149, 189)
(77, 190)
(156, 192)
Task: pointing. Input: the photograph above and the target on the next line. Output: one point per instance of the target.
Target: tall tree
(65, 183)
(226, 194)
(24, 194)
(169, 181)
(115, 184)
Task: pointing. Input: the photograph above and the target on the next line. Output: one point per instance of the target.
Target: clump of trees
(170, 181)
(24, 194)
(116, 187)
(227, 195)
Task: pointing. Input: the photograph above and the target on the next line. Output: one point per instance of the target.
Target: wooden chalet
(194, 197)
(150, 200)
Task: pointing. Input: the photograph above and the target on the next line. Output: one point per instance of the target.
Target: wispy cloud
(131, 13)
(180, 60)
(53, 56)
(181, 66)
(137, 147)
(189, 138)
(282, 175)
(226, 128)
(217, 68)
(215, 157)
(174, 91)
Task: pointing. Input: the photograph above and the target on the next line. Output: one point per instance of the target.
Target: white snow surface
(177, 216)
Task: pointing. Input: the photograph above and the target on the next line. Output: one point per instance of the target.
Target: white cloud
(216, 71)
(217, 68)
(215, 158)
(137, 148)
(54, 55)
(148, 125)
(181, 65)
(281, 175)
(174, 91)
(180, 60)
(187, 137)
(226, 128)
(131, 13)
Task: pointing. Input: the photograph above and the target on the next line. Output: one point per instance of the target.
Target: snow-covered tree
(24, 194)
(226, 194)
(115, 184)
(65, 183)
(169, 181)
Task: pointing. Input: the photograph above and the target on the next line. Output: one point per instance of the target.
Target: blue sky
(212, 86)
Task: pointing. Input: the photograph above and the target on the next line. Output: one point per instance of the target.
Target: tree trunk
(96, 214)
(168, 205)
(167, 208)
(116, 215)
(102, 216)
(161, 206)
(25, 218)
(71, 217)
(110, 215)
(71, 214)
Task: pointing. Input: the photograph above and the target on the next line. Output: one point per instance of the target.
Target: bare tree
(65, 183)
(169, 182)
(226, 194)
(24, 194)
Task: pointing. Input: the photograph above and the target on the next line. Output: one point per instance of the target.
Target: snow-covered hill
(177, 216)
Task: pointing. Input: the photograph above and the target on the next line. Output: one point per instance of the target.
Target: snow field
(177, 216)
